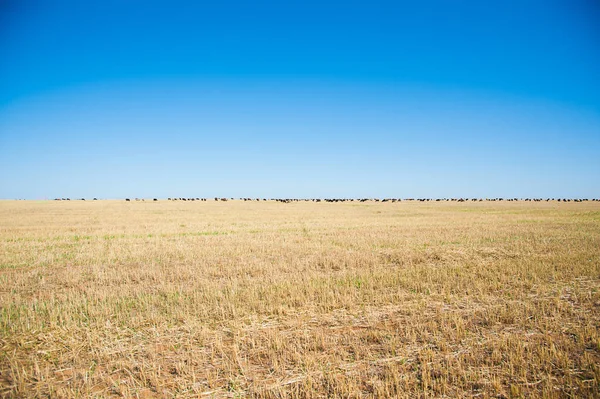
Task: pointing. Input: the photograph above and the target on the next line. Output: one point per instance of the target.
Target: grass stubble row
(301, 300)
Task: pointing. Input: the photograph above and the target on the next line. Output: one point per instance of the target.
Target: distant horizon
(256, 199)
(300, 100)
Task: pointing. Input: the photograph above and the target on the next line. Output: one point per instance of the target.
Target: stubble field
(300, 300)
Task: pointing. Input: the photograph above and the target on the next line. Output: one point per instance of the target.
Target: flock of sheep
(289, 200)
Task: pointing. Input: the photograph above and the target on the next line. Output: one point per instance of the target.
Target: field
(270, 300)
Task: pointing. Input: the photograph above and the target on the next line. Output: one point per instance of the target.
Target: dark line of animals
(289, 200)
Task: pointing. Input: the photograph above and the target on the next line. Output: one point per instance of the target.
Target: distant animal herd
(289, 200)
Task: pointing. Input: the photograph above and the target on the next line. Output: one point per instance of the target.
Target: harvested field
(301, 300)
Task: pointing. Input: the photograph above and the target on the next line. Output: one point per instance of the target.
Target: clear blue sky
(116, 99)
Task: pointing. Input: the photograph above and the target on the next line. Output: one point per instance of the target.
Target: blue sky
(118, 99)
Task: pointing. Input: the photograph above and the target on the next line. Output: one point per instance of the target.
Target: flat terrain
(246, 299)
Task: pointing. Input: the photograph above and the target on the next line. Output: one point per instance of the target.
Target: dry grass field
(300, 300)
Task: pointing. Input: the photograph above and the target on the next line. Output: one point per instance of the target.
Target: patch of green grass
(11, 266)
(82, 238)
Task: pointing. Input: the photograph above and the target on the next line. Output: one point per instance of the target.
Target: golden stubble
(246, 299)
